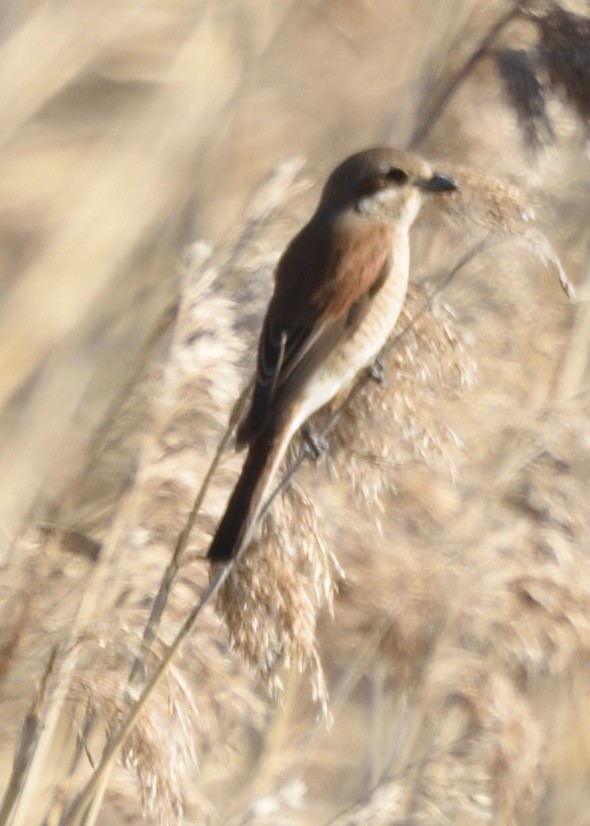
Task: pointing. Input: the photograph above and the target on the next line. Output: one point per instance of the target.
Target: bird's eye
(397, 175)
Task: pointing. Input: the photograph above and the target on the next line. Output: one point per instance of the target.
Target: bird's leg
(376, 371)
(315, 445)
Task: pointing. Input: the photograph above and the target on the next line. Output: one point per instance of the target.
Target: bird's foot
(315, 445)
(376, 371)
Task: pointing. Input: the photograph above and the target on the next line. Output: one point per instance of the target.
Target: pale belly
(356, 352)
(359, 350)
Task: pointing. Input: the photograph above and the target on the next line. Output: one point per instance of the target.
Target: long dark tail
(237, 523)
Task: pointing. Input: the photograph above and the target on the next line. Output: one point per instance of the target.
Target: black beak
(438, 183)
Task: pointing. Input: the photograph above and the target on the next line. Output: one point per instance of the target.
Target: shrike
(339, 288)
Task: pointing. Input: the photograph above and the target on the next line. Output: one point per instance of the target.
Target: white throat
(393, 206)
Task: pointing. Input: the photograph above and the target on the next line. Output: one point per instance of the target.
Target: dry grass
(426, 588)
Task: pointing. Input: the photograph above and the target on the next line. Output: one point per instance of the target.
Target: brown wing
(324, 281)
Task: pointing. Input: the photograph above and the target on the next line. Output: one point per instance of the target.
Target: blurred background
(155, 157)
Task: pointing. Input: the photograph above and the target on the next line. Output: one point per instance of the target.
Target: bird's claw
(376, 371)
(315, 445)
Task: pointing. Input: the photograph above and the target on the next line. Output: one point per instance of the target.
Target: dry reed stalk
(200, 335)
(177, 98)
(553, 63)
(272, 596)
(271, 194)
(571, 380)
(524, 618)
(537, 511)
(27, 740)
(178, 371)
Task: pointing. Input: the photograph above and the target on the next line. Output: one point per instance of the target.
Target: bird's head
(383, 184)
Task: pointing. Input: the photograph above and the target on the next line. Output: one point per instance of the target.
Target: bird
(339, 287)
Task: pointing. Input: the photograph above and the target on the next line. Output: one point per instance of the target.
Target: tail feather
(237, 523)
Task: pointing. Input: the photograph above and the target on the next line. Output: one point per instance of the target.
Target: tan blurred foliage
(456, 659)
